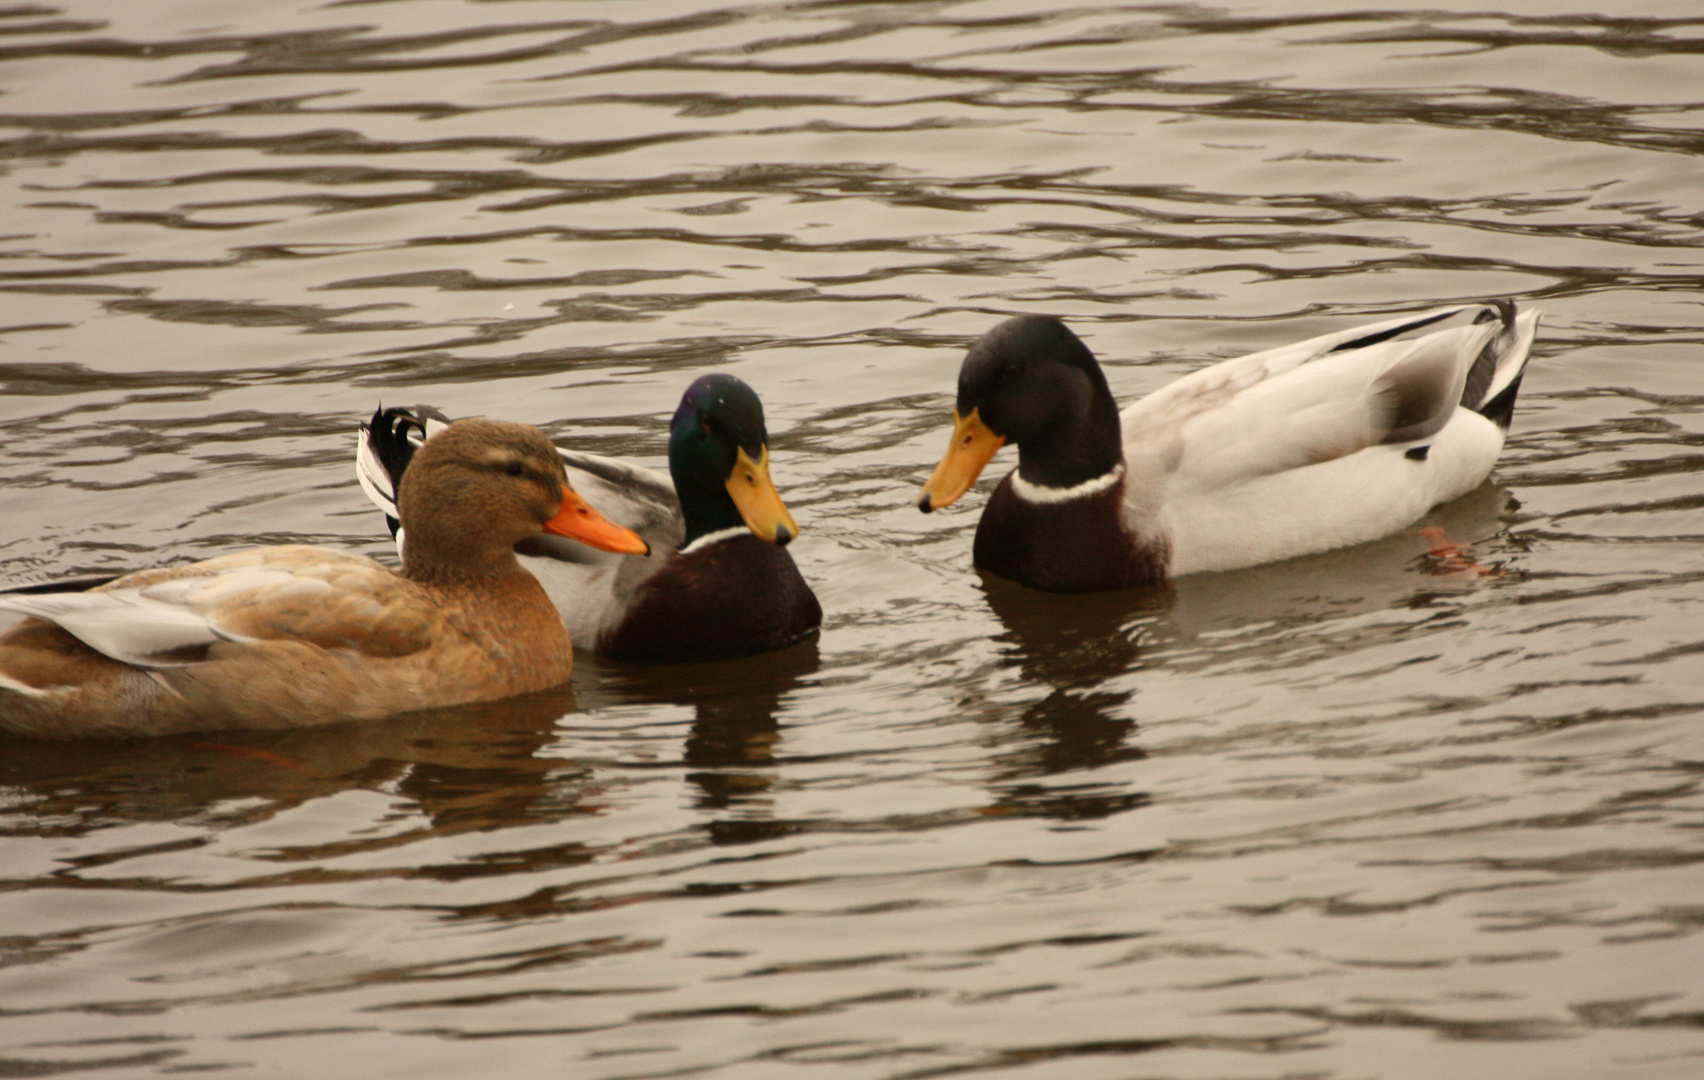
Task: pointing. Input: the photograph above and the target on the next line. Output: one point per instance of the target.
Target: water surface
(1356, 815)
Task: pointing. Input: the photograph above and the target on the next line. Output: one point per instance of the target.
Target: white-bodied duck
(296, 635)
(718, 582)
(1332, 441)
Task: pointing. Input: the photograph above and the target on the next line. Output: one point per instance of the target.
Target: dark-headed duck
(1335, 440)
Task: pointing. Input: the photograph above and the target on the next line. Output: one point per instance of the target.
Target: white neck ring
(714, 538)
(1039, 493)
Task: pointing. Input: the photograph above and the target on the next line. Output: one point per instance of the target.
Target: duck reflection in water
(1078, 646)
(486, 766)
(465, 768)
(734, 743)
(1082, 647)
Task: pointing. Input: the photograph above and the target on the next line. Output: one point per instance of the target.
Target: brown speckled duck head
(481, 487)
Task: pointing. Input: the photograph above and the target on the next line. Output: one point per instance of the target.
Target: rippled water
(1357, 815)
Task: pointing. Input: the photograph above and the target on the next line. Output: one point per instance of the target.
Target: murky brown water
(1352, 816)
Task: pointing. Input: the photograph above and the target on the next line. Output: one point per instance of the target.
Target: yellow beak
(578, 521)
(972, 446)
(758, 502)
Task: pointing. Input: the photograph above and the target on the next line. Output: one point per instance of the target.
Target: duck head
(719, 459)
(480, 487)
(1029, 381)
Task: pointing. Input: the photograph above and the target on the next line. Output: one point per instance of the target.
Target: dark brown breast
(736, 597)
(1077, 546)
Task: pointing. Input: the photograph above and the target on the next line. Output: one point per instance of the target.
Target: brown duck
(296, 635)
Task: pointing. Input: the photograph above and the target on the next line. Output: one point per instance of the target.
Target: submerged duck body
(1336, 440)
(718, 582)
(296, 635)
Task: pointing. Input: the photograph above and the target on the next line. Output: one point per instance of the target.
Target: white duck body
(1350, 500)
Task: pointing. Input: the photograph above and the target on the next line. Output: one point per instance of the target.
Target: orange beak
(577, 521)
(973, 445)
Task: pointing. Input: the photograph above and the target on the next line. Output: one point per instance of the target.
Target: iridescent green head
(719, 458)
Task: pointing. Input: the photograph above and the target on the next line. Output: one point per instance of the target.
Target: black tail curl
(1500, 409)
(388, 436)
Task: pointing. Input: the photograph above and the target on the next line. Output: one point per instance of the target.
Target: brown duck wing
(311, 595)
(173, 617)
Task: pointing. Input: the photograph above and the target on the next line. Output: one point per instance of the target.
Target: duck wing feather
(172, 617)
(1306, 403)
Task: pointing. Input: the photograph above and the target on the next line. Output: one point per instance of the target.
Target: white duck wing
(1394, 392)
(1212, 386)
(641, 499)
(591, 588)
(633, 496)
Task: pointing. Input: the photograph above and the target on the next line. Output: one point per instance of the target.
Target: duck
(718, 583)
(1336, 440)
(293, 635)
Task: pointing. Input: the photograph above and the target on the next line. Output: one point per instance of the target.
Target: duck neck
(707, 510)
(700, 480)
(456, 556)
(1086, 447)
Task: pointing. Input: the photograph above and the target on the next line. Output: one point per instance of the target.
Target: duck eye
(513, 468)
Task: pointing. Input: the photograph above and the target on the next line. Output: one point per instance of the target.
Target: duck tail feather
(59, 585)
(384, 447)
(374, 455)
(1494, 380)
(1386, 331)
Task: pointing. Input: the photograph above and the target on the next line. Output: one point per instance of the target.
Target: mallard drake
(295, 635)
(717, 583)
(1336, 440)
